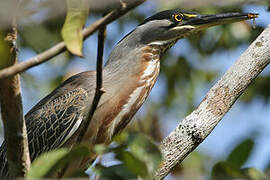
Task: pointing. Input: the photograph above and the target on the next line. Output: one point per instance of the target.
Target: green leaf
(241, 153)
(72, 30)
(121, 138)
(253, 174)
(115, 172)
(146, 151)
(48, 163)
(225, 171)
(100, 149)
(123, 171)
(141, 150)
(4, 52)
(133, 164)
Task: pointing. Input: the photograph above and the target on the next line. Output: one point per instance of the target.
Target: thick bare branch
(60, 47)
(193, 129)
(12, 114)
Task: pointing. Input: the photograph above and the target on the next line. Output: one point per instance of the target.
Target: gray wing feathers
(3, 161)
(51, 124)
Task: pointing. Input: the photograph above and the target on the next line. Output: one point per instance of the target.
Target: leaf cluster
(234, 166)
(137, 156)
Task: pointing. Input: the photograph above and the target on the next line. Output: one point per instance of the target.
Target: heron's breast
(119, 110)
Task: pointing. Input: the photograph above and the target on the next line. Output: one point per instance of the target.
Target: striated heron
(128, 77)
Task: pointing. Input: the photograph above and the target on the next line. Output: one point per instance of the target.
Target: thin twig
(60, 47)
(12, 112)
(99, 88)
(194, 128)
(101, 38)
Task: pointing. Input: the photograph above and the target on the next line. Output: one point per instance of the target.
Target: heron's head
(171, 25)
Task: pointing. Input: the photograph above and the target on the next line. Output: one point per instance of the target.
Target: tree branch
(193, 129)
(12, 113)
(99, 87)
(60, 47)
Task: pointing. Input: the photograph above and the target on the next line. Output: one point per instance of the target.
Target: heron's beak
(205, 21)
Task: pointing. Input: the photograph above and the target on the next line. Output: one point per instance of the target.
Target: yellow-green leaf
(72, 30)
(4, 52)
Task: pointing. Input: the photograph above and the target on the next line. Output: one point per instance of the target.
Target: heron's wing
(53, 123)
(56, 117)
(50, 124)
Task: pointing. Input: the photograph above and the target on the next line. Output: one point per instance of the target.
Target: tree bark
(12, 113)
(194, 128)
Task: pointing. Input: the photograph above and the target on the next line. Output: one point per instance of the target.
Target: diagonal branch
(193, 129)
(60, 47)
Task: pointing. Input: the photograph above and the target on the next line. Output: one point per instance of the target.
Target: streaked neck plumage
(130, 72)
(127, 54)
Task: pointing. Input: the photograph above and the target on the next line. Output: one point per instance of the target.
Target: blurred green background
(188, 71)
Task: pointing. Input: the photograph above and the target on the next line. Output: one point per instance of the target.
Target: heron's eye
(178, 17)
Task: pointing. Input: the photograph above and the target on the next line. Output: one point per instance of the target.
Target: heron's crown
(171, 15)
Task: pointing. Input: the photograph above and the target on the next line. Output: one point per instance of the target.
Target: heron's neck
(128, 56)
(129, 77)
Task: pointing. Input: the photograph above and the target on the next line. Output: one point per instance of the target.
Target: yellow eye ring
(178, 17)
